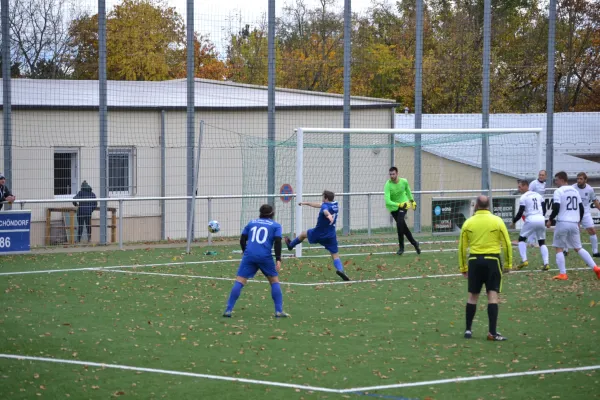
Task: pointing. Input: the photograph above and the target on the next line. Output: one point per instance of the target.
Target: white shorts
(535, 229)
(566, 235)
(587, 221)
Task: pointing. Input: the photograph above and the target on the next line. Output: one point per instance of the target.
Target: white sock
(560, 261)
(594, 241)
(545, 256)
(523, 251)
(585, 256)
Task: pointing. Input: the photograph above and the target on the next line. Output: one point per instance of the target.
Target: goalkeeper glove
(403, 206)
(413, 204)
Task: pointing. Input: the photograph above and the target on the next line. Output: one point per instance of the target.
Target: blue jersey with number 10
(324, 228)
(261, 235)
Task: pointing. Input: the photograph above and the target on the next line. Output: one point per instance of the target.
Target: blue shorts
(250, 266)
(329, 243)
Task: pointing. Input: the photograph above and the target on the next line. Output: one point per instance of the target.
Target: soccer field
(147, 324)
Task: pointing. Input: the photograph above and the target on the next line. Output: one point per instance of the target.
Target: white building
(56, 135)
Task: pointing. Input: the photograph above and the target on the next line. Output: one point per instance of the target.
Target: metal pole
(6, 94)
(485, 101)
(550, 92)
(393, 153)
(120, 227)
(102, 102)
(271, 105)
(292, 210)
(190, 113)
(163, 176)
(418, 111)
(209, 215)
(347, 71)
(538, 145)
(190, 232)
(369, 215)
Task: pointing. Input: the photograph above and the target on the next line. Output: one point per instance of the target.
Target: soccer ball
(214, 226)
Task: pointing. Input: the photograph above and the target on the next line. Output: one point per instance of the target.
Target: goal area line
(309, 388)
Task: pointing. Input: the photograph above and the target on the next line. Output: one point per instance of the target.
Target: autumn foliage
(146, 40)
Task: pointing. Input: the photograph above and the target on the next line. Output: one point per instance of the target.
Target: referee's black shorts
(485, 269)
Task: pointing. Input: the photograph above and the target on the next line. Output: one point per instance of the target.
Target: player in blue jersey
(324, 232)
(257, 239)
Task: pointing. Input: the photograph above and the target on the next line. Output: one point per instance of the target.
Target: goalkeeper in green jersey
(398, 199)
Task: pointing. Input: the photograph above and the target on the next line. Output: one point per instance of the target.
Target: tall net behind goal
(312, 160)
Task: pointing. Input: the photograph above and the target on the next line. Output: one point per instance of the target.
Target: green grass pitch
(340, 336)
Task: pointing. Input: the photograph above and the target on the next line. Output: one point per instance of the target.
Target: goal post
(514, 153)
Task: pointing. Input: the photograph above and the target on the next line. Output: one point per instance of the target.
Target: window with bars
(66, 172)
(120, 172)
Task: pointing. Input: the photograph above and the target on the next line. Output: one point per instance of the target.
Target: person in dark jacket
(85, 210)
(5, 194)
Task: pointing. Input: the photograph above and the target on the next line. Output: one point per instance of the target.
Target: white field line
(169, 372)
(286, 283)
(342, 246)
(329, 283)
(171, 264)
(471, 378)
(302, 387)
(184, 263)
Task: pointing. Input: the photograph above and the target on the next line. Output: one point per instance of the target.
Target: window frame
(132, 171)
(75, 170)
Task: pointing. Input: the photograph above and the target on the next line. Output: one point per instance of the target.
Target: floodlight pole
(418, 112)
(191, 121)
(550, 92)
(485, 103)
(103, 109)
(347, 71)
(271, 105)
(6, 94)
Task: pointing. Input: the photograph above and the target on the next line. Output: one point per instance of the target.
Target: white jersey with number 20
(587, 195)
(569, 201)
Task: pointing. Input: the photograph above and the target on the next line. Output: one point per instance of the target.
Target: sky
(253, 6)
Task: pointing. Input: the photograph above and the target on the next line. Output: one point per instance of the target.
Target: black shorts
(485, 269)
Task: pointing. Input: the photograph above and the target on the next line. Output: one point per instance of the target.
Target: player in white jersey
(568, 212)
(533, 208)
(538, 186)
(588, 197)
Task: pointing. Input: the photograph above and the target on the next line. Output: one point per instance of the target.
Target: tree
(383, 51)
(247, 54)
(207, 63)
(311, 44)
(40, 36)
(84, 47)
(519, 45)
(15, 69)
(578, 55)
(145, 41)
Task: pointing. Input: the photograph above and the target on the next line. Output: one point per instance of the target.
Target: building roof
(75, 94)
(576, 142)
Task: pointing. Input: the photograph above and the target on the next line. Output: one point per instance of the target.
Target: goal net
(357, 161)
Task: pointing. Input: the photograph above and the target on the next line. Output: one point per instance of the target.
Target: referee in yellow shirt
(485, 235)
